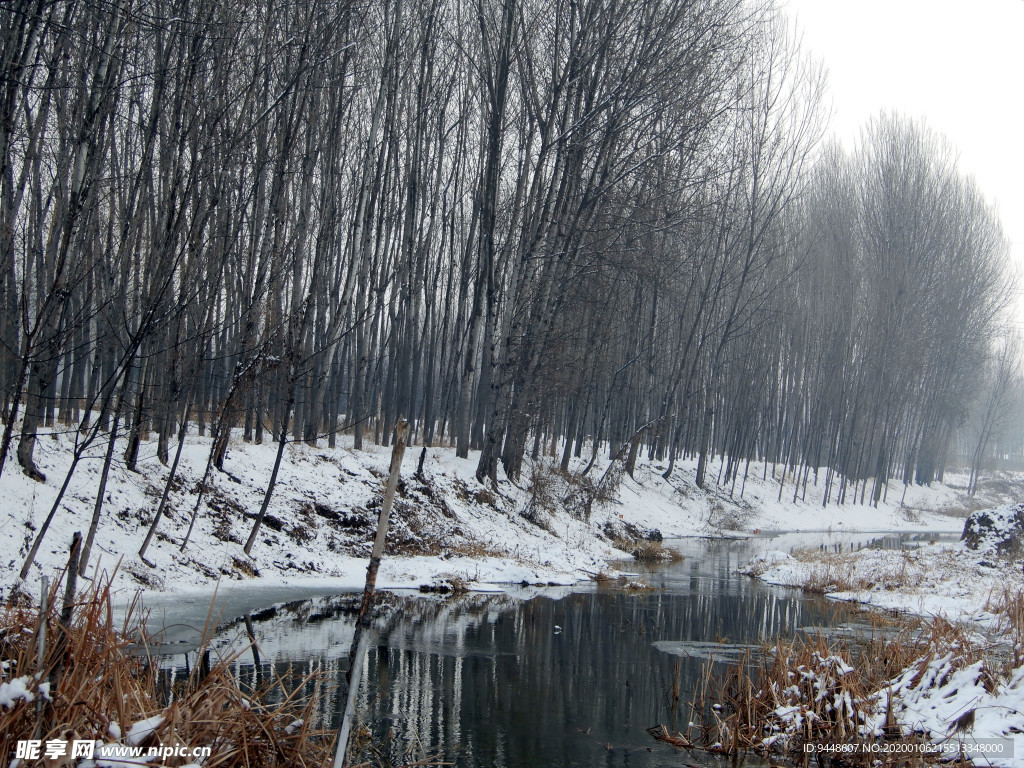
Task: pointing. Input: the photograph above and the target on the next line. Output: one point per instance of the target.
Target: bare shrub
(731, 517)
(550, 490)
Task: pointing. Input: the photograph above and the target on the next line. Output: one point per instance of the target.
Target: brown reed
(809, 689)
(100, 674)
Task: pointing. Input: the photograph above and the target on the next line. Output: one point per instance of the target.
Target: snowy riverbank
(941, 579)
(969, 686)
(446, 526)
(953, 580)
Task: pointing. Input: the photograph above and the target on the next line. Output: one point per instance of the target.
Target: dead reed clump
(804, 692)
(656, 551)
(1008, 605)
(95, 681)
(648, 550)
(639, 585)
(828, 571)
(809, 690)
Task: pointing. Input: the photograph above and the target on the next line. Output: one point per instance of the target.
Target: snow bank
(948, 580)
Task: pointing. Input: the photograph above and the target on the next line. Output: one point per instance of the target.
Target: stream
(562, 676)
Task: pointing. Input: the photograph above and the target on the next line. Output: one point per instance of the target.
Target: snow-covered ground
(942, 579)
(445, 525)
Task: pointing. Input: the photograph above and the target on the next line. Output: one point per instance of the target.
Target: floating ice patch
(721, 652)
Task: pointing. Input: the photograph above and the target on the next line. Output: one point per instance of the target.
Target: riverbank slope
(446, 528)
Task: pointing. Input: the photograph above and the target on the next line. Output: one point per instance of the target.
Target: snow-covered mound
(998, 531)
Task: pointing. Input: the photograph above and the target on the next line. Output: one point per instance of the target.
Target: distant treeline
(526, 226)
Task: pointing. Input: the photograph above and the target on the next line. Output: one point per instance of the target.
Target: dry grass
(648, 551)
(1008, 605)
(637, 586)
(100, 674)
(844, 572)
(808, 690)
(472, 548)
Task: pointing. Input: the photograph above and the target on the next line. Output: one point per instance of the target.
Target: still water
(552, 677)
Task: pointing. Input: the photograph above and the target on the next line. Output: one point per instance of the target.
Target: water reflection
(569, 678)
(563, 682)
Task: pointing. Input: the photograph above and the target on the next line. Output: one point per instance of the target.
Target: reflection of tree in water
(497, 680)
(297, 639)
(553, 682)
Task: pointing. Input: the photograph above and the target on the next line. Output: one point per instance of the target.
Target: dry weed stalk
(830, 571)
(99, 680)
(1008, 605)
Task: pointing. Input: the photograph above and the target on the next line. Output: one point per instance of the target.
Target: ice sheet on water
(722, 652)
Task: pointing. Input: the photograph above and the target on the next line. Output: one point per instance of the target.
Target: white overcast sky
(959, 65)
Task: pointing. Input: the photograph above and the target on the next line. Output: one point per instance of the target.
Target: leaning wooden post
(67, 609)
(361, 638)
(44, 612)
(44, 609)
